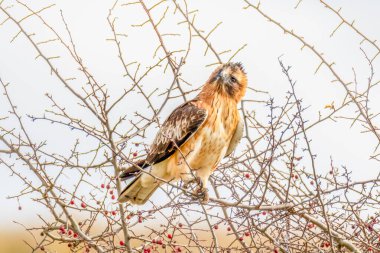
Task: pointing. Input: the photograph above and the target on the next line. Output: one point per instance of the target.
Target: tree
(271, 195)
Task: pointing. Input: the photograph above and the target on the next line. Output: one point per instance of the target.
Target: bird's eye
(233, 79)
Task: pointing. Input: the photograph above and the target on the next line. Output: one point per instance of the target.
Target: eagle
(193, 140)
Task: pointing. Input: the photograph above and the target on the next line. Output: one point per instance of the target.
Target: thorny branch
(270, 196)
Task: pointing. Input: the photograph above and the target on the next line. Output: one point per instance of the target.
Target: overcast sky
(87, 19)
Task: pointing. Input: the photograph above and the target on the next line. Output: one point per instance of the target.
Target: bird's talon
(206, 198)
(202, 195)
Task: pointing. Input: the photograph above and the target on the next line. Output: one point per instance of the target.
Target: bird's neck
(211, 93)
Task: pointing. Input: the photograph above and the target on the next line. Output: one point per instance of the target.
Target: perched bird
(193, 139)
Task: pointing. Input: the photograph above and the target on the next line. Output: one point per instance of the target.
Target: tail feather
(133, 170)
(135, 193)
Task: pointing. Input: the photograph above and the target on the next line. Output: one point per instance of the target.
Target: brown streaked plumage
(194, 138)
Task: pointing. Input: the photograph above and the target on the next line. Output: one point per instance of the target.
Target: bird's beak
(223, 74)
(219, 75)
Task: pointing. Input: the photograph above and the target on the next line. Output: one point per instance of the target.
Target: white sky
(30, 78)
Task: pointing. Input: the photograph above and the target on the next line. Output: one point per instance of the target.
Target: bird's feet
(201, 193)
(186, 185)
(196, 180)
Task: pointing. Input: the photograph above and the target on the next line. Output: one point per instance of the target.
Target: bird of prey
(193, 139)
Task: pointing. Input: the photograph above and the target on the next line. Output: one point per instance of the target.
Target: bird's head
(229, 79)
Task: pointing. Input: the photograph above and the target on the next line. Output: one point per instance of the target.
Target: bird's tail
(133, 170)
(135, 193)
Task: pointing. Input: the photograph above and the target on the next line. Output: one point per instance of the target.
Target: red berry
(310, 225)
(275, 251)
(75, 235)
(108, 186)
(228, 228)
(121, 243)
(128, 217)
(111, 192)
(216, 226)
(180, 225)
(247, 175)
(135, 154)
(153, 241)
(69, 232)
(170, 236)
(69, 245)
(113, 197)
(42, 248)
(83, 205)
(102, 186)
(72, 202)
(247, 233)
(296, 176)
(264, 213)
(241, 238)
(312, 182)
(159, 241)
(140, 219)
(113, 212)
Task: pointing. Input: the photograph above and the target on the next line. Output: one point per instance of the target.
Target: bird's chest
(212, 139)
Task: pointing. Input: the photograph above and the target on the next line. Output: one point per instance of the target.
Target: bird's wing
(182, 123)
(236, 137)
